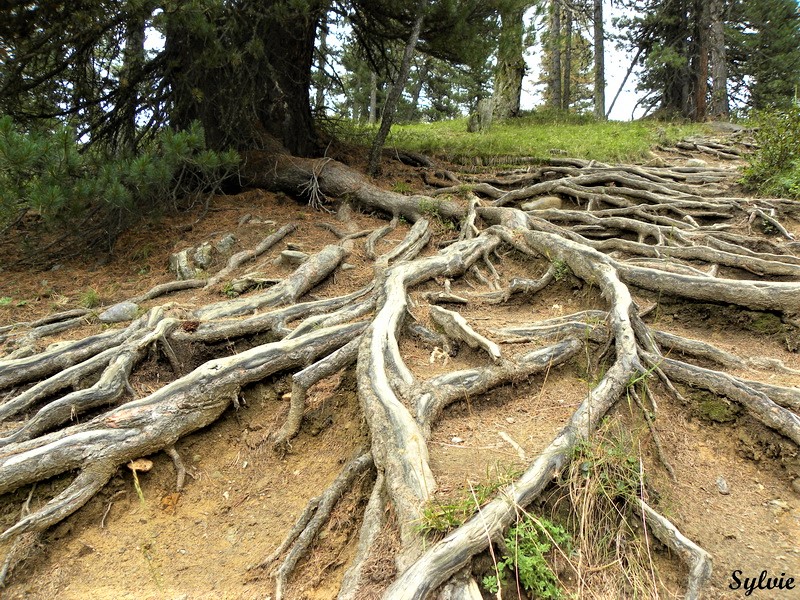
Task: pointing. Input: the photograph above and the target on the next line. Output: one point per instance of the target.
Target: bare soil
(242, 499)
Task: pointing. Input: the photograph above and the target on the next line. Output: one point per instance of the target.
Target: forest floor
(242, 499)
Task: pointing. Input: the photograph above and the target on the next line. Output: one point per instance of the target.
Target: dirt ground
(242, 499)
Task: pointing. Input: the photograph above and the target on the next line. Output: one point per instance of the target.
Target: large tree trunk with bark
(719, 61)
(510, 69)
(273, 101)
(630, 236)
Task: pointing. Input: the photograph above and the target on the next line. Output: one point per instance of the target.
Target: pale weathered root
(238, 259)
(378, 235)
(307, 275)
(373, 522)
(58, 357)
(456, 326)
(757, 402)
(148, 425)
(111, 385)
(274, 321)
(303, 380)
(437, 393)
(708, 351)
(438, 563)
(698, 560)
(399, 447)
(305, 530)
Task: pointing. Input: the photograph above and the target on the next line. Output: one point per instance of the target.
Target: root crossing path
(457, 275)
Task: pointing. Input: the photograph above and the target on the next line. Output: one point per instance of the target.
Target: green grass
(535, 137)
(441, 516)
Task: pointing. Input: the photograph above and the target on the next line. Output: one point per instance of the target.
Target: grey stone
(225, 245)
(696, 162)
(722, 486)
(124, 311)
(204, 255)
(181, 265)
(292, 257)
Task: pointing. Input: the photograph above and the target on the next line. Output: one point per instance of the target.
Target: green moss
(715, 408)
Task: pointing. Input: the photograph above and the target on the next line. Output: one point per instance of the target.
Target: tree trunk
(555, 54)
(599, 62)
(702, 27)
(393, 98)
(373, 98)
(567, 86)
(133, 59)
(322, 57)
(273, 100)
(719, 61)
(510, 63)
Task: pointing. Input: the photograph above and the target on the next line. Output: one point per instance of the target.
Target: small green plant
(439, 517)
(89, 299)
(401, 187)
(6, 300)
(229, 290)
(561, 270)
(429, 207)
(531, 544)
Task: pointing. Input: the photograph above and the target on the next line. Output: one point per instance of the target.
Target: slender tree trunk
(510, 68)
(719, 61)
(132, 61)
(396, 90)
(599, 61)
(702, 28)
(373, 98)
(322, 57)
(555, 54)
(567, 85)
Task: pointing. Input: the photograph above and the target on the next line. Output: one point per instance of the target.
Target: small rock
(204, 255)
(347, 267)
(181, 265)
(696, 162)
(124, 311)
(778, 506)
(456, 440)
(292, 258)
(796, 485)
(225, 245)
(722, 486)
(245, 219)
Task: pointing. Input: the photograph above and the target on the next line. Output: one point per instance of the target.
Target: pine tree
(768, 34)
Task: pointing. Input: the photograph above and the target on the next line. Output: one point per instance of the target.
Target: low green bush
(774, 168)
(67, 185)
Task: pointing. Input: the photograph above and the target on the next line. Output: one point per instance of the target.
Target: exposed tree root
(657, 231)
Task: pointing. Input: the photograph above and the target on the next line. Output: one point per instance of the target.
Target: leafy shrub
(70, 186)
(775, 167)
(530, 543)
